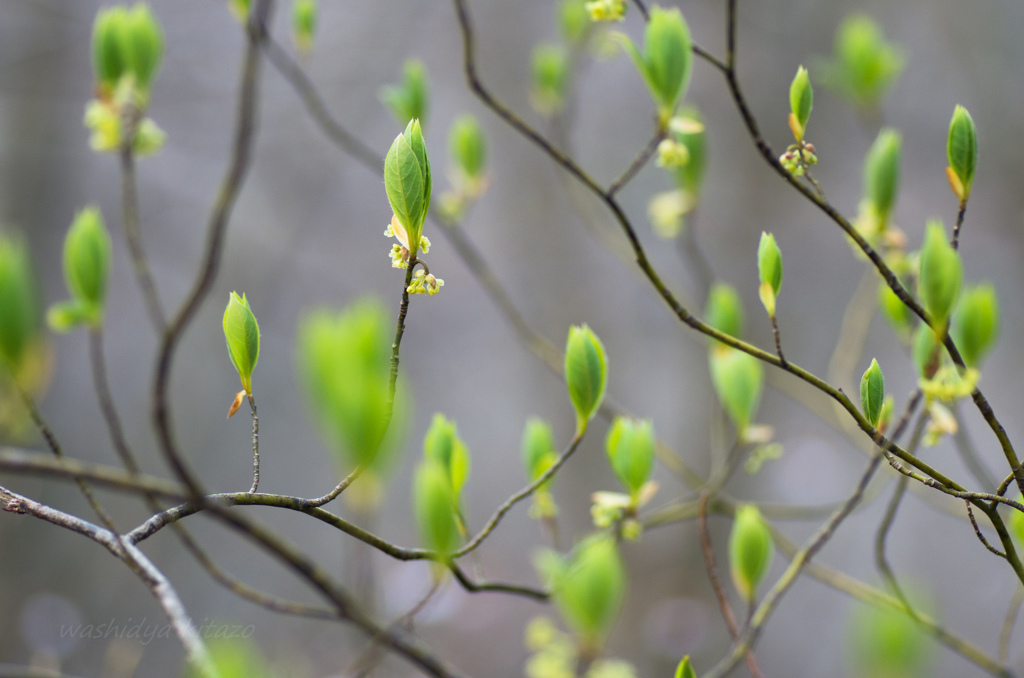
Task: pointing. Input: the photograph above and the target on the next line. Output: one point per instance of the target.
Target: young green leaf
(630, 449)
(941, 276)
(882, 173)
(738, 379)
(801, 99)
(407, 181)
(668, 58)
(865, 66)
(409, 100)
(898, 315)
(108, 39)
(345, 368)
(243, 338)
(872, 392)
(769, 269)
(976, 323)
(573, 20)
(586, 373)
(468, 146)
(234, 657)
(751, 549)
(724, 310)
(538, 448)
(435, 507)
(19, 315)
(304, 16)
(443, 445)
(86, 262)
(550, 71)
(143, 45)
(685, 669)
(962, 152)
(588, 588)
(885, 641)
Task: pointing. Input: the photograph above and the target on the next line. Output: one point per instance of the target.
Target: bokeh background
(307, 232)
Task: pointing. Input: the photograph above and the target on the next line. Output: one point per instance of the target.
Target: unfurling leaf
(242, 334)
(586, 373)
(751, 549)
(872, 392)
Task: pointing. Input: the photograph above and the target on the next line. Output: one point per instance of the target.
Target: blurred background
(307, 232)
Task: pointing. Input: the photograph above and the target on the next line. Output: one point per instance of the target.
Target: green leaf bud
(144, 45)
(549, 66)
(897, 314)
(630, 448)
(108, 39)
(468, 146)
(769, 269)
(304, 16)
(750, 551)
(435, 507)
(685, 669)
(738, 379)
(19, 320)
(86, 262)
(67, 315)
(976, 323)
(962, 152)
(407, 181)
(872, 392)
(927, 354)
(886, 642)
(724, 310)
(668, 59)
(538, 448)
(586, 373)
(243, 338)
(345, 367)
(573, 20)
(409, 100)
(882, 173)
(941, 276)
(443, 445)
(801, 99)
(865, 66)
(589, 587)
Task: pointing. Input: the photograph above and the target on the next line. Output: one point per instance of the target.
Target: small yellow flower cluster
(672, 154)
(606, 10)
(424, 283)
(104, 116)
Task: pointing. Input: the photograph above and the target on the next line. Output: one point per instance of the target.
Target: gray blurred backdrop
(307, 232)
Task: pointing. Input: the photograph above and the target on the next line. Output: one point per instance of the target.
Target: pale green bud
(738, 379)
(801, 99)
(976, 323)
(630, 449)
(409, 100)
(872, 393)
(550, 74)
(18, 310)
(242, 334)
(435, 507)
(724, 310)
(751, 549)
(87, 261)
(588, 588)
(586, 373)
(538, 448)
(443, 445)
(304, 19)
(941, 276)
(667, 60)
(468, 146)
(962, 152)
(882, 172)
